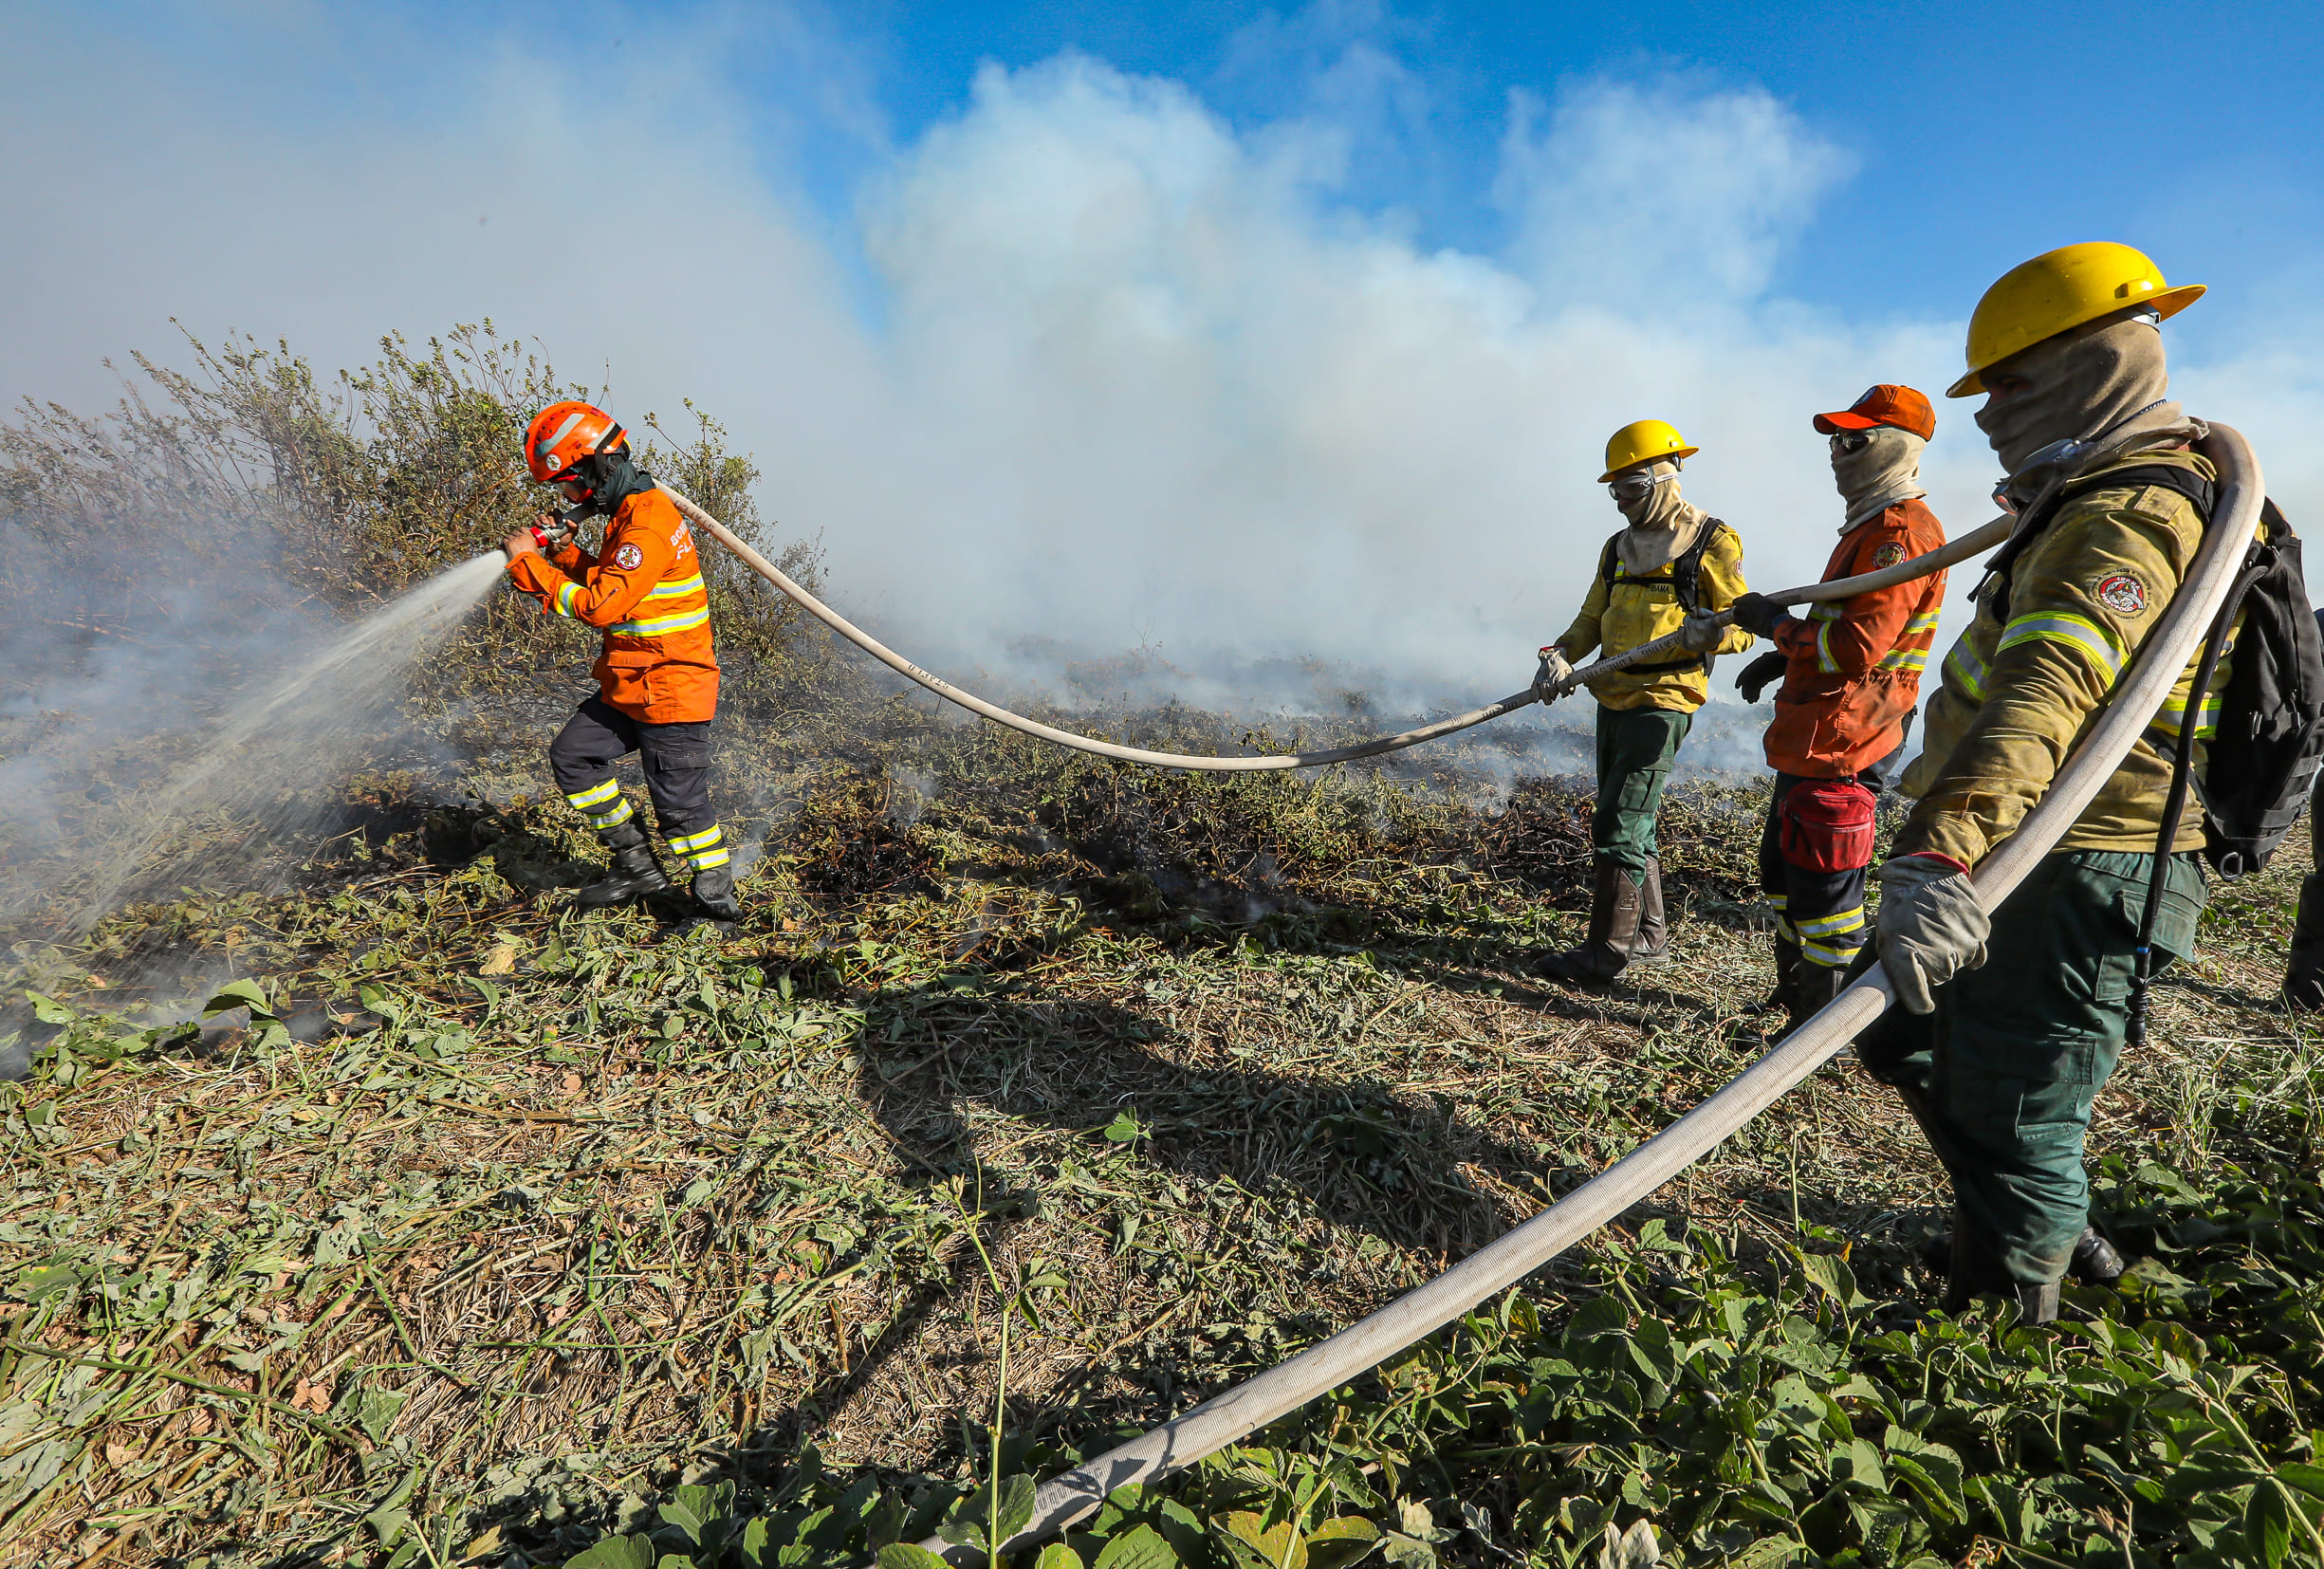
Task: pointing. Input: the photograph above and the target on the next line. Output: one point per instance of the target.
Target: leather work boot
(2304, 977)
(634, 872)
(714, 893)
(1652, 944)
(1613, 931)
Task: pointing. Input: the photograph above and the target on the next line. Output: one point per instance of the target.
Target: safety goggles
(1851, 441)
(1632, 488)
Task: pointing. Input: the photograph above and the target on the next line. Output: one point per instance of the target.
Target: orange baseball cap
(1884, 405)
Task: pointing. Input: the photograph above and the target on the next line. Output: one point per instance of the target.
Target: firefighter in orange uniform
(657, 677)
(1852, 678)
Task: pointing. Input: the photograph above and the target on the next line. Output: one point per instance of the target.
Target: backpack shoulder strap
(1608, 562)
(1686, 571)
(2046, 507)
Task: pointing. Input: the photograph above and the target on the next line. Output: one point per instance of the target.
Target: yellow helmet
(2059, 290)
(1643, 441)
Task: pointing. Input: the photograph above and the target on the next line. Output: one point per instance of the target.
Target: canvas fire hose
(1919, 566)
(1229, 1417)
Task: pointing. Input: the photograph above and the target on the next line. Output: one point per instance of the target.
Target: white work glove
(1930, 928)
(1702, 632)
(1554, 678)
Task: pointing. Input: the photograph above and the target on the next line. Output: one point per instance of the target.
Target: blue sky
(1981, 133)
(1231, 329)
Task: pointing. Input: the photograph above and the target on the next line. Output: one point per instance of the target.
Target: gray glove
(1702, 632)
(1931, 927)
(1554, 678)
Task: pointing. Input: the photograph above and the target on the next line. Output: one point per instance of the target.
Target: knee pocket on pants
(678, 757)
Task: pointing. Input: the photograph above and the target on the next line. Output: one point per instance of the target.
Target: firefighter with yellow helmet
(1671, 569)
(2011, 1024)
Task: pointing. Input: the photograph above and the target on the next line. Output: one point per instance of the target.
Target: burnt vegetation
(377, 1208)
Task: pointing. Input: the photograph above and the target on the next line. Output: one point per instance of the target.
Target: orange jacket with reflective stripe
(1854, 669)
(643, 587)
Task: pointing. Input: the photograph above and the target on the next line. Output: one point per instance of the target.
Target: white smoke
(1085, 364)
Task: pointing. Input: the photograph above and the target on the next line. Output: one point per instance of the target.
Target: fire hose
(1229, 1417)
(1841, 588)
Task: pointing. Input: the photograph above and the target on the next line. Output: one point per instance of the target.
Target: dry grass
(585, 1208)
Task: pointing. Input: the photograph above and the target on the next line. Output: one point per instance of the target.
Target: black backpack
(2263, 757)
(2270, 741)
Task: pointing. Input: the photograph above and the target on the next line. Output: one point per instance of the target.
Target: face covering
(2103, 384)
(1662, 524)
(616, 480)
(1884, 471)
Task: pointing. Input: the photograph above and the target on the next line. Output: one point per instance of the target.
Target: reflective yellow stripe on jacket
(676, 614)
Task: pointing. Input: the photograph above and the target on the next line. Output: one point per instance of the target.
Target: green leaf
(1016, 1506)
(1142, 1548)
(1831, 1272)
(909, 1555)
(48, 1010)
(236, 995)
(617, 1553)
(1058, 1556)
(685, 1514)
(1123, 1128)
(1598, 1315)
(752, 1543)
(2299, 1474)
(376, 1413)
(1767, 1553)
(2267, 1525)
(1338, 1543)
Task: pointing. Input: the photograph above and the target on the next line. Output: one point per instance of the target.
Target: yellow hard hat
(1643, 441)
(2059, 290)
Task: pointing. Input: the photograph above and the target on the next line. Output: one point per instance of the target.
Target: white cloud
(1125, 373)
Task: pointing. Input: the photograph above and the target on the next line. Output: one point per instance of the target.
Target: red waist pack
(1826, 825)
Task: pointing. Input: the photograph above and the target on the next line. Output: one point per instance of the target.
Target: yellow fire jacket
(1621, 611)
(2023, 683)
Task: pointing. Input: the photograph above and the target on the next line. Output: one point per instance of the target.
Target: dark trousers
(1818, 912)
(2003, 1075)
(1636, 749)
(677, 760)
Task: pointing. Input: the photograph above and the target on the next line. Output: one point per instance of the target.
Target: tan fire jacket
(2017, 692)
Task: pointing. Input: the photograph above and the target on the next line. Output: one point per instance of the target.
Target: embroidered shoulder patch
(628, 557)
(2120, 593)
(1888, 555)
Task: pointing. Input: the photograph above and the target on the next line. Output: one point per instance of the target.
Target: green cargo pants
(2003, 1075)
(1636, 749)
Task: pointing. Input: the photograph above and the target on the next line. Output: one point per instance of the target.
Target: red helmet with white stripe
(563, 434)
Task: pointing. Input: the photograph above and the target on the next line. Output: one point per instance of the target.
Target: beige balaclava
(1662, 524)
(1877, 475)
(2102, 384)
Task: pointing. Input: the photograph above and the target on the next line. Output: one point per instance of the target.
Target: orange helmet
(563, 435)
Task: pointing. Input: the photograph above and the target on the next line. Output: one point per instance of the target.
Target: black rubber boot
(1814, 985)
(635, 874)
(2037, 1305)
(2094, 1262)
(1613, 931)
(714, 893)
(1788, 961)
(1652, 944)
(2303, 978)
